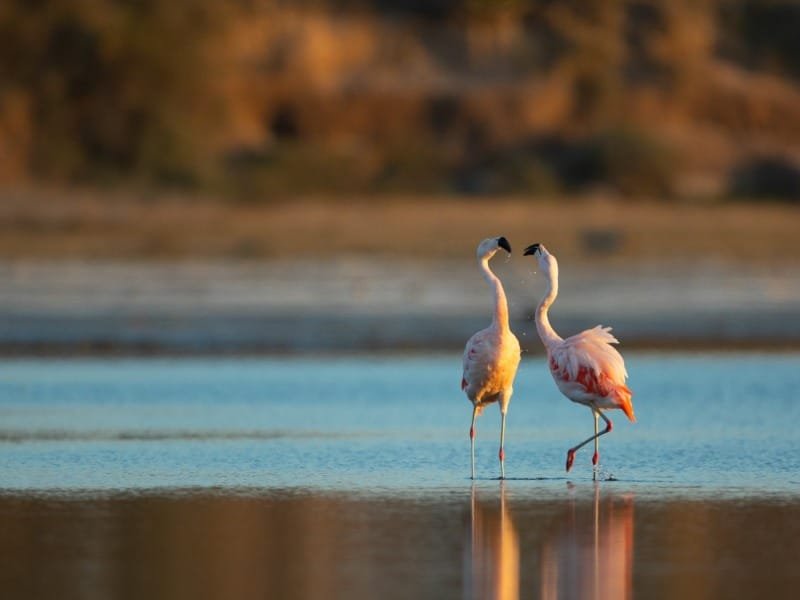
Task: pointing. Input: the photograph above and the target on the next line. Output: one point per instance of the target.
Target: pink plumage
(491, 358)
(588, 369)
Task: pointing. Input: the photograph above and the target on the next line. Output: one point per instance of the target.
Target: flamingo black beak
(503, 243)
(531, 249)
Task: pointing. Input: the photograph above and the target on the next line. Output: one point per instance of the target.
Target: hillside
(258, 99)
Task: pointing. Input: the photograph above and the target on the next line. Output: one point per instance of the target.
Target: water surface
(329, 477)
(708, 424)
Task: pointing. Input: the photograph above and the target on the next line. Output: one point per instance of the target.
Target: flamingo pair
(586, 367)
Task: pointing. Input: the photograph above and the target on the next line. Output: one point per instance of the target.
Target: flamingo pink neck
(546, 332)
(500, 315)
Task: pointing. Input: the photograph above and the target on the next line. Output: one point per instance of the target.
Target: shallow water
(330, 477)
(707, 424)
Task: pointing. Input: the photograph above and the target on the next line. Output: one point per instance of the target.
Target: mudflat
(95, 225)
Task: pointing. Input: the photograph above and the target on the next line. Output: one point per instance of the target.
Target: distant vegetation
(263, 98)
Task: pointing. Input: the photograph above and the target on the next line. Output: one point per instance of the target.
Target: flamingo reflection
(491, 561)
(590, 553)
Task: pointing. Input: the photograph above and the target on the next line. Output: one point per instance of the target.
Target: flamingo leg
(596, 455)
(472, 440)
(502, 453)
(609, 427)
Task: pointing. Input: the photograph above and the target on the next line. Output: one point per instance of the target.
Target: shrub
(769, 177)
(634, 163)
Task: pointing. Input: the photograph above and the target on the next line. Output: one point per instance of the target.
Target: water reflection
(589, 553)
(491, 568)
(522, 542)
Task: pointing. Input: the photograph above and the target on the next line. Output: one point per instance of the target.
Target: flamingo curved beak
(503, 243)
(531, 250)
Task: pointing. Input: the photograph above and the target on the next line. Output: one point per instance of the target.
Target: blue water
(708, 424)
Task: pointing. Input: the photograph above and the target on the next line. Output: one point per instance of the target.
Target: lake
(348, 476)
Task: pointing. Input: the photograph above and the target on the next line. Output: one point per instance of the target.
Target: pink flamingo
(586, 367)
(492, 355)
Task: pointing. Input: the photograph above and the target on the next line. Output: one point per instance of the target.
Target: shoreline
(377, 305)
(265, 337)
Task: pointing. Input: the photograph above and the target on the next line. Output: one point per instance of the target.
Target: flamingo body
(588, 370)
(491, 358)
(492, 355)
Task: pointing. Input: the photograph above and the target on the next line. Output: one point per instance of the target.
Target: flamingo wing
(592, 349)
(478, 357)
(490, 364)
(588, 369)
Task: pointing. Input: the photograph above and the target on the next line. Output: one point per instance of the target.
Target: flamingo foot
(595, 458)
(570, 458)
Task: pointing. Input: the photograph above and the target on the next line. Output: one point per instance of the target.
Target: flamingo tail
(624, 395)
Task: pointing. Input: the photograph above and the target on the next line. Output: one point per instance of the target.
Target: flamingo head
(489, 246)
(547, 262)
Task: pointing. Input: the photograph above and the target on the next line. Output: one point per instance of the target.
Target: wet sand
(491, 541)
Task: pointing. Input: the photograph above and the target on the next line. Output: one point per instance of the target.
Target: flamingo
(492, 355)
(586, 367)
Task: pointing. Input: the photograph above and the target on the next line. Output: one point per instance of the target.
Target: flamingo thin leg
(502, 453)
(596, 455)
(609, 427)
(472, 440)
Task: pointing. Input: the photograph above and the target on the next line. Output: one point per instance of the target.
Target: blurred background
(265, 175)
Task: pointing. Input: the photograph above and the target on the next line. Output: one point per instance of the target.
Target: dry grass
(57, 225)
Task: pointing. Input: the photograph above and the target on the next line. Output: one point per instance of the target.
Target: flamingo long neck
(546, 332)
(500, 314)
